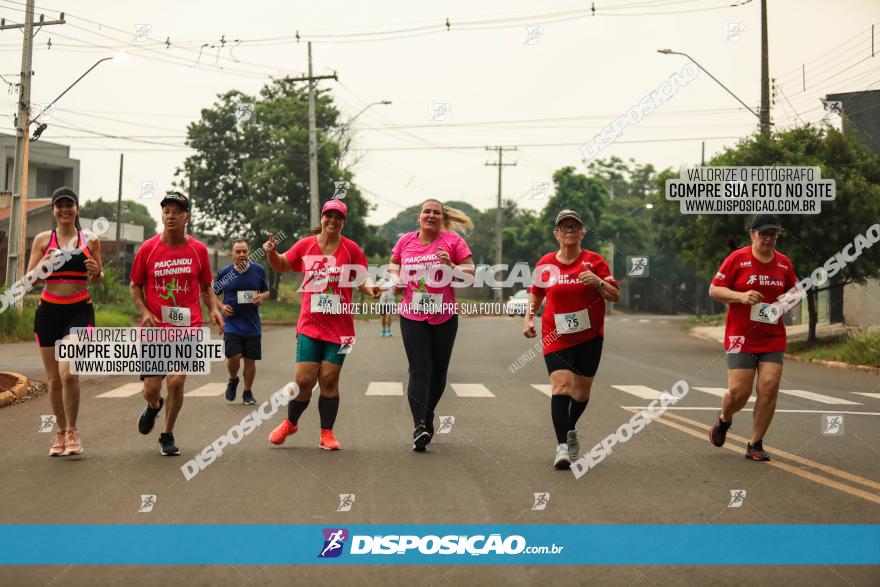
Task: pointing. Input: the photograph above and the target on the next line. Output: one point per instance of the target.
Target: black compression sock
(295, 410)
(574, 413)
(559, 407)
(327, 408)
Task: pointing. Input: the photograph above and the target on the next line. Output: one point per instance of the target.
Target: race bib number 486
(176, 316)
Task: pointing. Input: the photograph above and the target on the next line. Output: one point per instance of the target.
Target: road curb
(835, 364)
(18, 389)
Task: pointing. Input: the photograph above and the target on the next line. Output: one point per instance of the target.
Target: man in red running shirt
(170, 272)
(749, 280)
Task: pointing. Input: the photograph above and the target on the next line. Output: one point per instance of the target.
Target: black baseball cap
(176, 197)
(764, 222)
(568, 214)
(65, 192)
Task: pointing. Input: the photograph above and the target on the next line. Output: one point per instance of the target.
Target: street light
(348, 124)
(119, 57)
(671, 52)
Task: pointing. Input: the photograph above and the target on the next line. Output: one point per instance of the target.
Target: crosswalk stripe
(641, 391)
(818, 397)
(385, 388)
(127, 390)
(471, 390)
(207, 390)
(643, 321)
(543, 388)
(718, 391)
(873, 395)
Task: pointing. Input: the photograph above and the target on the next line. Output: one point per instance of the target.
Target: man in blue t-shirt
(244, 287)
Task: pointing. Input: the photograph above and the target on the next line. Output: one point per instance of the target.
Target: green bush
(113, 290)
(15, 326)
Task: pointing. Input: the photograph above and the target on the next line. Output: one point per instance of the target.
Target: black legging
(428, 350)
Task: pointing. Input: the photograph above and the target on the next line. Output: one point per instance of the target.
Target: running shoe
(57, 449)
(148, 417)
(166, 439)
(284, 430)
(230, 389)
(574, 445)
(563, 459)
(328, 441)
(247, 398)
(718, 432)
(756, 452)
(421, 437)
(72, 445)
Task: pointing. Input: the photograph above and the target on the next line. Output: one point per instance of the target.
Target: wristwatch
(601, 284)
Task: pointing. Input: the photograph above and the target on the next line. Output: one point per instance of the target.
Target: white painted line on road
(471, 390)
(643, 321)
(543, 388)
(127, 390)
(778, 411)
(207, 390)
(818, 397)
(718, 391)
(874, 395)
(639, 391)
(624, 319)
(385, 388)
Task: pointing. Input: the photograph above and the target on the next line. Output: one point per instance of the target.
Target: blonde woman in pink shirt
(424, 260)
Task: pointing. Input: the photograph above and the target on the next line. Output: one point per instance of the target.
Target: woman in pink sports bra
(64, 304)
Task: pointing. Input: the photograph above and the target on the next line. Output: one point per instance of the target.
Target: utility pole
(498, 215)
(15, 259)
(314, 215)
(119, 251)
(765, 73)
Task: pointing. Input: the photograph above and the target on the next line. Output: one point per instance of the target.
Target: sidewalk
(24, 358)
(795, 333)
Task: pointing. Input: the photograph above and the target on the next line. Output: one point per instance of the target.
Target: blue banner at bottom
(483, 544)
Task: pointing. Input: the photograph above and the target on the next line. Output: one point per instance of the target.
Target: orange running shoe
(284, 430)
(57, 449)
(72, 445)
(328, 441)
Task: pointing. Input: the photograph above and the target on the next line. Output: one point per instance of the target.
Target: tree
(809, 240)
(250, 177)
(132, 212)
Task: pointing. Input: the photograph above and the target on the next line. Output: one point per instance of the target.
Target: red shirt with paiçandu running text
(747, 330)
(575, 313)
(171, 277)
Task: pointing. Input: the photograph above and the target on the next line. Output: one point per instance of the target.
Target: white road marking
(639, 391)
(818, 397)
(207, 390)
(385, 388)
(719, 392)
(471, 390)
(543, 388)
(643, 321)
(127, 390)
(873, 395)
(778, 411)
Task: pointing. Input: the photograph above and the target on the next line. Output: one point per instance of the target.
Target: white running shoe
(563, 460)
(574, 445)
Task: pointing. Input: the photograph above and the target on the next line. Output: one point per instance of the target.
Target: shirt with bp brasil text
(567, 295)
(741, 271)
(238, 289)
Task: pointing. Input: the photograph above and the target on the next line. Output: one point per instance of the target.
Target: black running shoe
(247, 398)
(718, 432)
(166, 439)
(756, 452)
(230, 389)
(148, 417)
(421, 437)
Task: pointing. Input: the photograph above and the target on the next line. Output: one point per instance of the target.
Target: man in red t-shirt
(749, 280)
(171, 271)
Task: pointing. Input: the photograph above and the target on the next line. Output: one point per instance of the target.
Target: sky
(545, 77)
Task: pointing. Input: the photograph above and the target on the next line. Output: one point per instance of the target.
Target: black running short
(248, 347)
(53, 321)
(582, 359)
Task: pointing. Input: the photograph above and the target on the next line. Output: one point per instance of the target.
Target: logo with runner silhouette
(346, 500)
(832, 424)
(737, 498)
(170, 288)
(334, 542)
(736, 343)
(541, 501)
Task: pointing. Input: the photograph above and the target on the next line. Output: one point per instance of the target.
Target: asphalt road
(486, 469)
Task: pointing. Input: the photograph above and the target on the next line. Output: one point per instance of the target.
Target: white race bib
(766, 313)
(572, 322)
(427, 303)
(246, 296)
(325, 304)
(176, 316)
